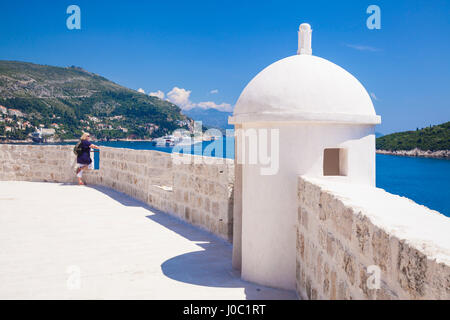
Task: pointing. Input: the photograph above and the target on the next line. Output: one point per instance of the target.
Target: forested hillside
(432, 138)
(71, 100)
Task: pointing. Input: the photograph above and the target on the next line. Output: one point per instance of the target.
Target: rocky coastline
(442, 154)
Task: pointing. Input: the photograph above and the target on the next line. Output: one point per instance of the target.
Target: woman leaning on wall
(83, 152)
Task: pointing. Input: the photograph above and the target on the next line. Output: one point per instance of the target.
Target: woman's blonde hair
(85, 136)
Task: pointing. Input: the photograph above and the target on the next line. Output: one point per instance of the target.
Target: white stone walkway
(122, 249)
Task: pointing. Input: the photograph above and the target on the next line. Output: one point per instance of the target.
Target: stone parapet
(350, 235)
(199, 192)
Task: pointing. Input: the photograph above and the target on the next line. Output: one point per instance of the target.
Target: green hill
(71, 100)
(432, 138)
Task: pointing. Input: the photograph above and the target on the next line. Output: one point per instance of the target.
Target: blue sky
(214, 48)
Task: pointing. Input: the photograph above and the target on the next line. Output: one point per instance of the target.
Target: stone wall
(203, 194)
(199, 192)
(37, 163)
(345, 230)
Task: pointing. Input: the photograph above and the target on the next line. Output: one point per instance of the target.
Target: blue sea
(426, 181)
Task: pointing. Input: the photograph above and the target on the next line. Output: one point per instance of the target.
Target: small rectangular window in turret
(335, 162)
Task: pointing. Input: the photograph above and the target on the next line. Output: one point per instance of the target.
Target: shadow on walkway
(209, 267)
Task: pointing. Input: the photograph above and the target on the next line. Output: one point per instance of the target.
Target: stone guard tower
(325, 122)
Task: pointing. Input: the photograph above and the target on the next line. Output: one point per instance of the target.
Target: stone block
(207, 204)
(412, 270)
(333, 281)
(381, 250)
(362, 233)
(331, 244)
(215, 209)
(350, 267)
(322, 237)
(312, 195)
(343, 221)
(343, 292)
(301, 244)
(326, 279)
(198, 202)
(303, 217)
(438, 281)
(187, 214)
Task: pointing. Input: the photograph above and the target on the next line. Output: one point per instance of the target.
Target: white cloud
(362, 47)
(158, 94)
(215, 91)
(374, 97)
(140, 90)
(226, 107)
(181, 97)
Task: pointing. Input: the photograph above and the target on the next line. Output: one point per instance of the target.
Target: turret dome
(305, 88)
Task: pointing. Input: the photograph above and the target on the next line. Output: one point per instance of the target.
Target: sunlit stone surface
(122, 249)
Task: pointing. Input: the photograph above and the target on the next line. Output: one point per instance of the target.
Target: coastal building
(94, 119)
(15, 112)
(320, 120)
(3, 110)
(47, 131)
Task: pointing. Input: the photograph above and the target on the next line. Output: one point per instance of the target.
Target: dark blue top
(85, 156)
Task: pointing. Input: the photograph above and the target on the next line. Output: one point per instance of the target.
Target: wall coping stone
(420, 227)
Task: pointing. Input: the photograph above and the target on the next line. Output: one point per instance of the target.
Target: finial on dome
(304, 39)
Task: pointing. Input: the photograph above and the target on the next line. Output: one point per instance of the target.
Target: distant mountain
(71, 100)
(432, 138)
(210, 118)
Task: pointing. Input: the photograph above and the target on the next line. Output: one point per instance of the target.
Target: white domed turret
(321, 123)
(305, 88)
